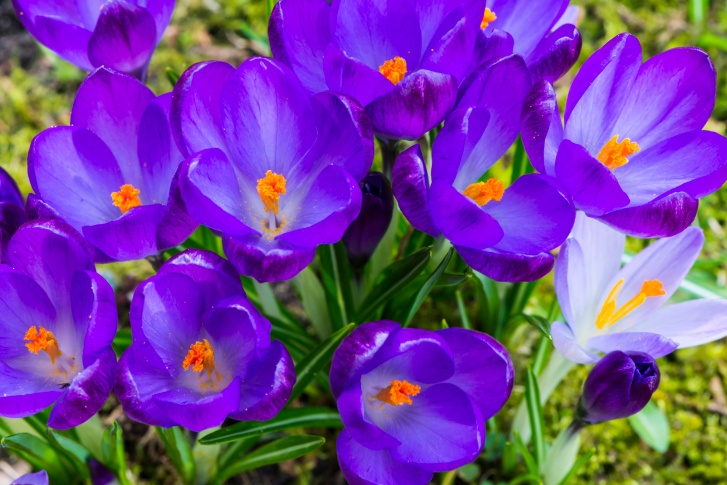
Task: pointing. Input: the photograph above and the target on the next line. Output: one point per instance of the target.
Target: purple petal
(94, 313)
(483, 368)
(69, 41)
(690, 323)
(509, 267)
(600, 90)
(452, 47)
(324, 213)
(533, 214)
(268, 385)
(556, 54)
(233, 332)
(437, 18)
(351, 407)
(12, 216)
(124, 38)
(266, 260)
(490, 47)
(461, 220)
(299, 33)
(353, 78)
(593, 187)
(416, 105)
(363, 466)
(196, 411)
(38, 478)
(87, 393)
(356, 351)
(650, 343)
(410, 185)
(673, 93)
(176, 224)
(459, 154)
(663, 217)
(566, 344)
(162, 11)
(542, 129)
(9, 191)
(24, 394)
(196, 111)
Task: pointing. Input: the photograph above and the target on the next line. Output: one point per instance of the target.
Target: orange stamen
(200, 357)
(126, 198)
(484, 192)
(488, 18)
(394, 69)
(398, 393)
(270, 188)
(614, 153)
(41, 339)
(610, 314)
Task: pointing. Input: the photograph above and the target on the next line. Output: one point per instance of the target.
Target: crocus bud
(365, 232)
(619, 385)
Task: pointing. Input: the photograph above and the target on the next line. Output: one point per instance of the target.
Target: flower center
(126, 198)
(270, 188)
(484, 192)
(614, 153)
(398, 393)
(610, 314)
(487, 18)
(394, 69)
(201, 358)
(41, 339)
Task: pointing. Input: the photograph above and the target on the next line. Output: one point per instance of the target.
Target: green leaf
(275, 452)
(535, 412)
(77, 454)
(577, 466)
(336, 277)
(509, 458)
(112, 447)
(179, 451)
(235, 449)
(122, 341)
(427, 287)
(520, 164)
(38, 453)
(313, 299)
(317, 360)
(172, 75)
(652, 426)
(540, 323)
(90, 435)
(527, 456)
(393, 279)
(286, 419)
(462, 310)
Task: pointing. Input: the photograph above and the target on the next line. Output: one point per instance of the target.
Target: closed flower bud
(619, 386)
(366, 231)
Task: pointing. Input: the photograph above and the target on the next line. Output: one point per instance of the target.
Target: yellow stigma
(41, 339)
(126, 198)
(398, 393)
(610, 314)
(200, 357)
(614, 153)
(484, 192)
(270, 188)
(488, 18)
(394, 69)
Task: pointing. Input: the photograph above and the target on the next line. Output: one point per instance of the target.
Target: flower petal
(94, 314)
(367, 433)
(663, 217)
(352, 77)
(565, 342)
(542, 129)
(459, 153)
(69, 41)
(410, 185)
(690, 323)
(504, 266)
(266, 260)
(555, 54)
(650, 343)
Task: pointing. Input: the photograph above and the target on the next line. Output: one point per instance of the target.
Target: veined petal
(662, 217)
(542, 129)
(650, 343)
(410, 185)
(266, 260)
(505, 266)
(689, 323)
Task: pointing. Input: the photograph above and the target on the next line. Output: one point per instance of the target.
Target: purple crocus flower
(504, 233)
(608, 308)
(201, 352)
(38, 478)
(12, 211)
(402, 60)
(118, 34)
(541, 31)
(619, 386)
(633, 152)
(112, 173)
(414, 402)
(272, 168)
(57, 321)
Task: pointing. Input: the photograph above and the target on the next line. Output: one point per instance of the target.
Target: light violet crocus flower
(609, 308)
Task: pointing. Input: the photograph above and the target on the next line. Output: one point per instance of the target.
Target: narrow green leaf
(317, 360)
(509, 458)
(427, 287)
(234, 450)
(275, 452)
(313, 299)
(384, 252)
(530, 463)
(535, 412)
(112, 447)
(336, 278)
(540, 323)
(393, 279)
(577, 466)
(38, 453)
(172, 75)
(122, 341)
(462, 310)
(267, 301)
(489, 300)
(521, 164)
(179, 451)
(76, 454)
(286, 419)
(541, 355)
(90, 435)
(652, 426)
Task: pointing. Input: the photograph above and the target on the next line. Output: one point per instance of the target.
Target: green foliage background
(37, 89)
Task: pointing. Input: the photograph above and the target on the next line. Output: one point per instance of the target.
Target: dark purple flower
(377, 207)
(402, 60)
(39, 478)
(12, 211)
(619, 386)
(201, 352)
(505, 233)
(633, 153)
(272, 168)
(118, 34)
(112, 173)
(541, 31)
(414, 402)
(57, 321)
